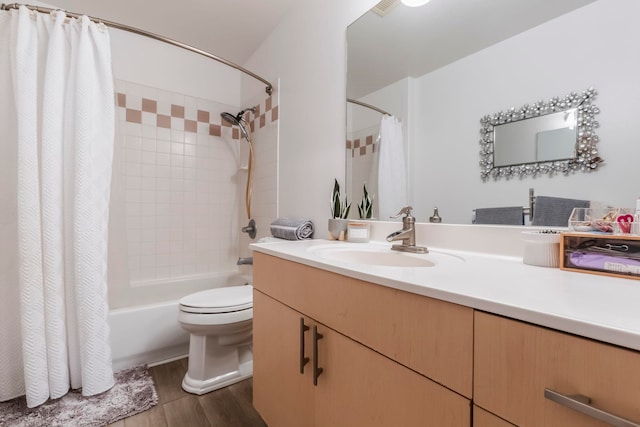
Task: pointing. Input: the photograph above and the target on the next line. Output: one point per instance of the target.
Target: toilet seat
(219, 300)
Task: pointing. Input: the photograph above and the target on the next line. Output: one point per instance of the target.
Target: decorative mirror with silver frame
(541, 138)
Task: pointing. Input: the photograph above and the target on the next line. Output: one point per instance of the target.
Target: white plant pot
(338, 228)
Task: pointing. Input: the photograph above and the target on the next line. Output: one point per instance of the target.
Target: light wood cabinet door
(516, 361)
(482, 418)
(362, 388)
(357, 386)
(282, 396)
(432, 337)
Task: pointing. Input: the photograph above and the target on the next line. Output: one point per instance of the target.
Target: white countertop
(593, 306)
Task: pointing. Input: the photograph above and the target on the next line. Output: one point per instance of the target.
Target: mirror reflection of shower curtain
(372, 182)
(392, 171)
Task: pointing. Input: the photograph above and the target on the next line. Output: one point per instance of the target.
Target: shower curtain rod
(362, 104)
(268, 89)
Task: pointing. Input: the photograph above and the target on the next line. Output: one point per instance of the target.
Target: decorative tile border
(190, 124)
(359, 149)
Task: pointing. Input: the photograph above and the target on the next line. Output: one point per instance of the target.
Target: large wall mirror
(442, 67)
(557, 136)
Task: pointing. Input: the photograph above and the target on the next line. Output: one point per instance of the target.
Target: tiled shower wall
(180, 170)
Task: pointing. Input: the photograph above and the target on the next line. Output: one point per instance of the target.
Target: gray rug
(133, 393)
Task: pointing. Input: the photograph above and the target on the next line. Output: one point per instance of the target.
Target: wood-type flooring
(228, 407)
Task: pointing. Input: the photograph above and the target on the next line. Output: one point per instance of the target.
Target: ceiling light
(415, 3)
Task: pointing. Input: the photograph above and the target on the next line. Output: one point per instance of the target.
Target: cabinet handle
(303, 360)
(316, 370)
(581, 404)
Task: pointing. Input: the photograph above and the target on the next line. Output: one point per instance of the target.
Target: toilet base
(190, 385)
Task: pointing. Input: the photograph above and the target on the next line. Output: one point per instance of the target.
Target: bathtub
(144, 318)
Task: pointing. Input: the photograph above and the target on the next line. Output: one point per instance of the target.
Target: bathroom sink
(380, 254)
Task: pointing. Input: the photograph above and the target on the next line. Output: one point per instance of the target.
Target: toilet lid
(219, 300)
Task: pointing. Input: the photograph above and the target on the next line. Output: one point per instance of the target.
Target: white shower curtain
(62, 88)
(392, 171)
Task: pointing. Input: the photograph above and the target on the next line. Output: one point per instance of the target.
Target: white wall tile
(133, 129)
(148, 170)
(163, 134)
(163, 159)
(148, 131)
(149, 118)
(134, 102)
(190, 138)
(163, 146)
(189, 150)
(177, 123)
(149, 144)
(149, 157)
(177, 148)
(190, 162)
(177, 160)
(177, 135)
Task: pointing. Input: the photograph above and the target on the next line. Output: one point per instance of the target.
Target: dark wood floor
(228, 407)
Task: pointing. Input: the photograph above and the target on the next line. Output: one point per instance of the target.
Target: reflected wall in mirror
(544, 137)
(467, 58)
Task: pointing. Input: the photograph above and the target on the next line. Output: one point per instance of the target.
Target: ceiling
(232, 29)
(414, 41)
(382, 50)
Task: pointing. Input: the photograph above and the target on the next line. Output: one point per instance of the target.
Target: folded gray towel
(555, 211)
(511, 215)
(292, 228)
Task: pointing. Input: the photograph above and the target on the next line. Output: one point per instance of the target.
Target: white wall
(307, 53)
(149, 62)
(592, 46)
(153, 63)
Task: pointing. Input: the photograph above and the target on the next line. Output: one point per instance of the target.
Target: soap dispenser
(435, 217)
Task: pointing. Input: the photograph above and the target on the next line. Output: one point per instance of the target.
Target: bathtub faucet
(245, 261)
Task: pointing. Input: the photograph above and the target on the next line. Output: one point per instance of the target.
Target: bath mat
(134, 392)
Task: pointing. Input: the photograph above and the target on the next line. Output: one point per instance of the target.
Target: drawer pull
(316, 370)
(582, 404)
(303, 360)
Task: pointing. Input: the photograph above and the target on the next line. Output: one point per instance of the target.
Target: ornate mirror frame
(586, 153)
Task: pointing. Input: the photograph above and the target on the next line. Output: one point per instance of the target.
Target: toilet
(220, 323)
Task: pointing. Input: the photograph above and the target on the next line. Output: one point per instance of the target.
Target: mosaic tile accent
(358, 147)
(149, 105)
(265, 113)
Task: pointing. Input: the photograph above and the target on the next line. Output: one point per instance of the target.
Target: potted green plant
(339, 213)
(365, 207)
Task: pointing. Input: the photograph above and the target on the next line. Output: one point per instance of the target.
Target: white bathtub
(147, 330)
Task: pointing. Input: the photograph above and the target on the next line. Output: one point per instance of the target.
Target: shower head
(237, 120)
(230, 118)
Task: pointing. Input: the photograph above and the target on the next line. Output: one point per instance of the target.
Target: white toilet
(220, 323)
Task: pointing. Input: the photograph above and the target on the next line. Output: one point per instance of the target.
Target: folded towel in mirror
(510, 215)
(555, 211)
(292, 228)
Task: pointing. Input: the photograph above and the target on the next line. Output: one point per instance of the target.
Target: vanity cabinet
(516, 362)
(387, 357)
(482, 418)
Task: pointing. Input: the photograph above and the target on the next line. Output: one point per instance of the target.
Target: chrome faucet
(407, 234)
